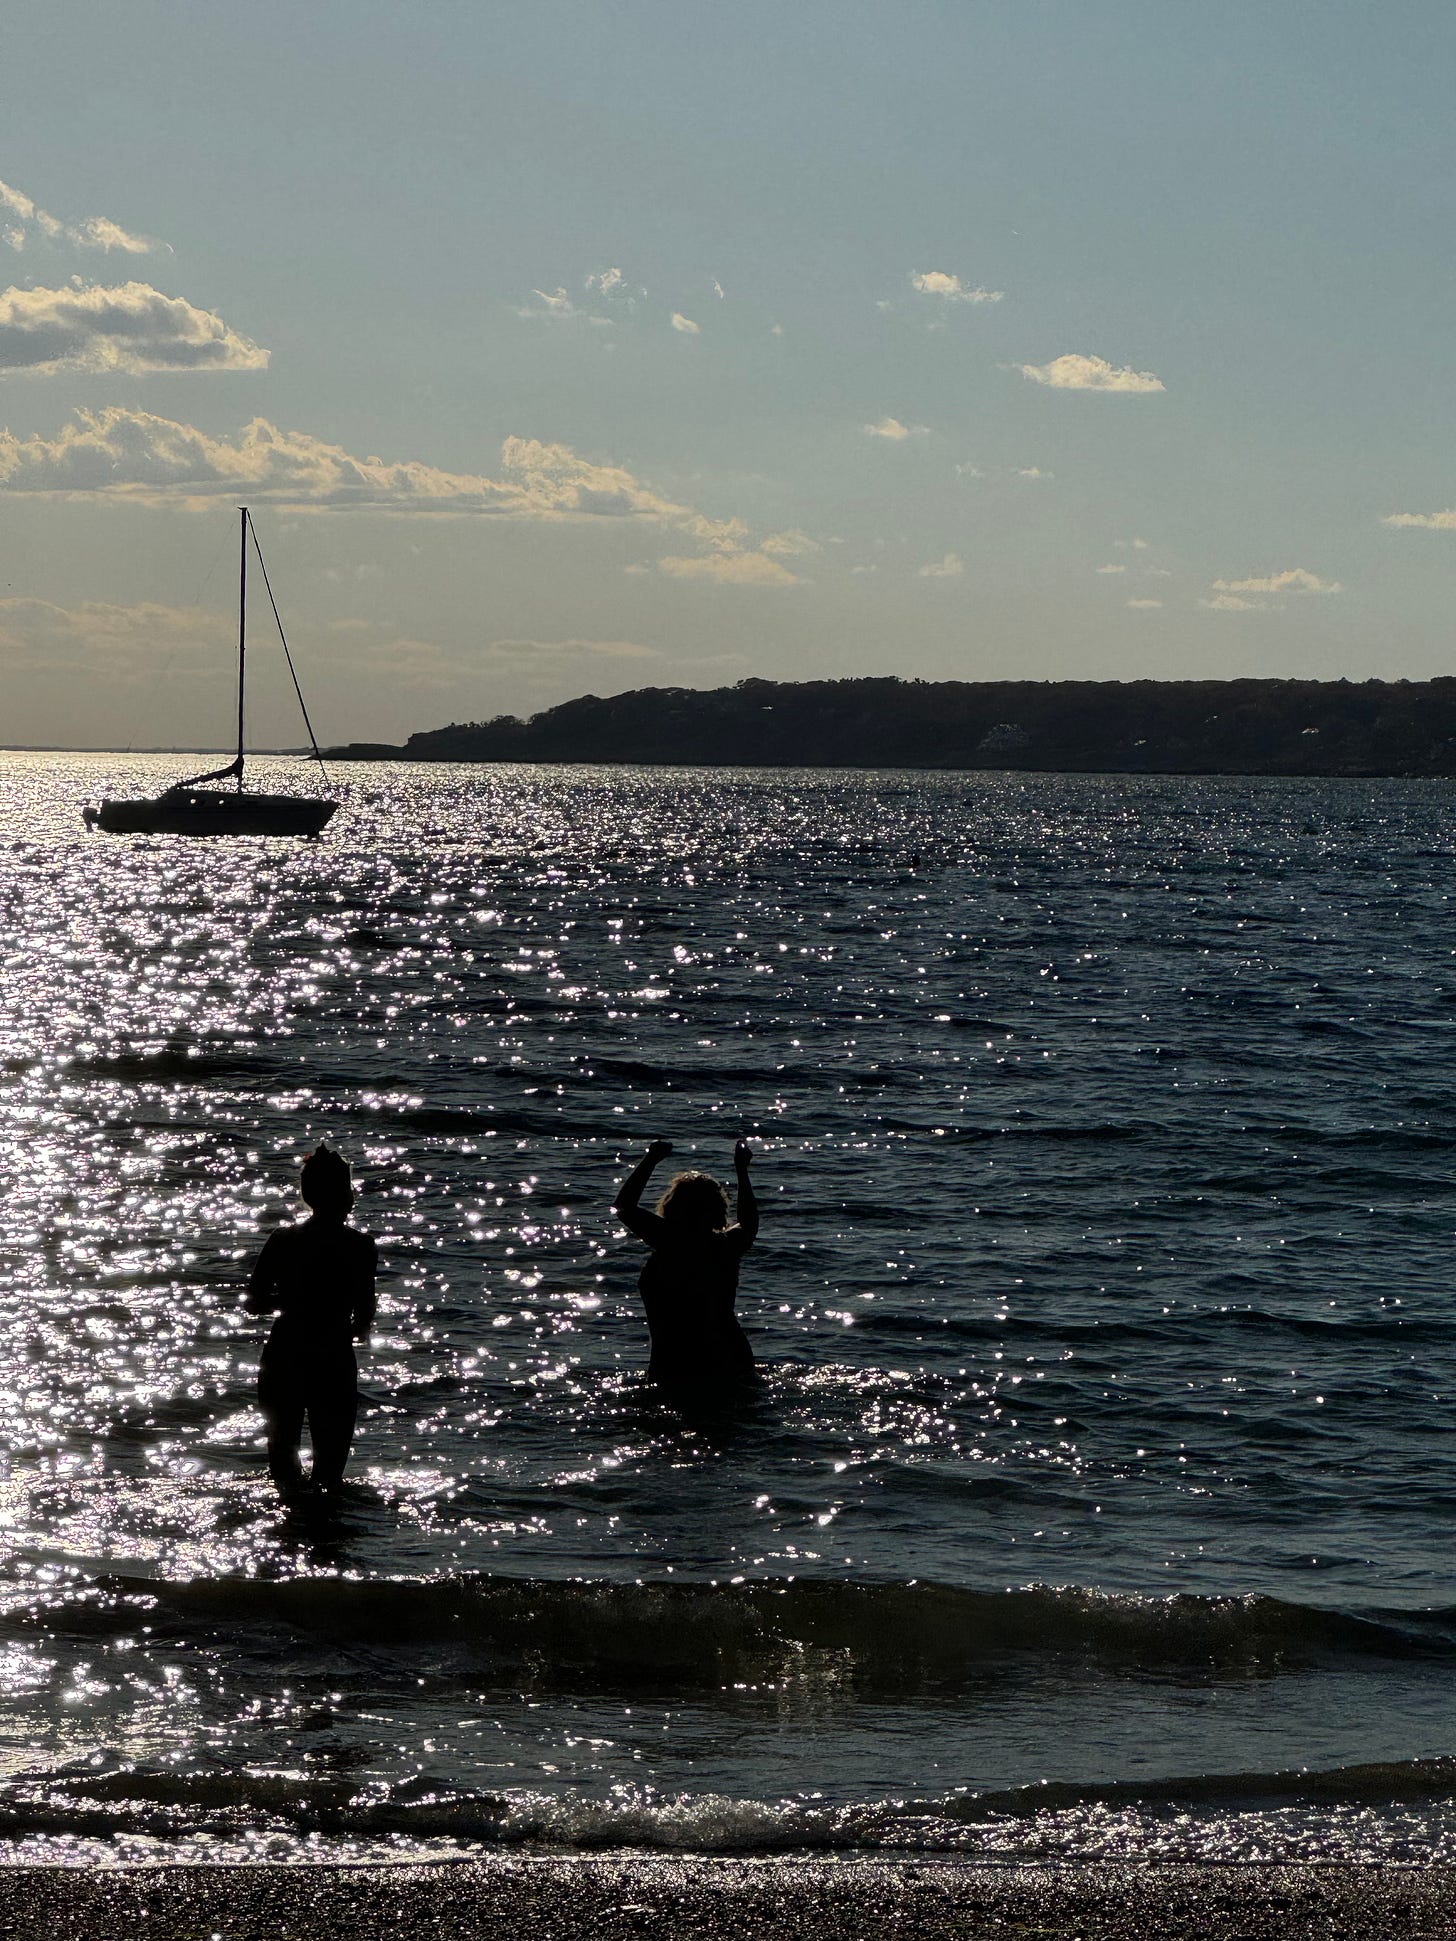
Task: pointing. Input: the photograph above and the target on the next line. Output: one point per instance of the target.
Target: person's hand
(743, 1155)
(659, 1149)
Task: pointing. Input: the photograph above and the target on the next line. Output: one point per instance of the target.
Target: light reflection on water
(1106, 1243)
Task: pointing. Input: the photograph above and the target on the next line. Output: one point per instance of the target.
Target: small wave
(1124, 1129)
(169, 1063)
(450, 1119)
(876, 1637)
(1380, 1783)
(216, 1804)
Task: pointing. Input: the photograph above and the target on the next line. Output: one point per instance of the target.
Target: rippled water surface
(1104, 1431)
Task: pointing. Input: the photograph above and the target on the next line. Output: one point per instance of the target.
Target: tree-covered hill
(1155, 727)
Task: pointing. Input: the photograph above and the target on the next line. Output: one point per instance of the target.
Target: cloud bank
(39, 636)
(1077, 373)
(131, 328)
(134, 454)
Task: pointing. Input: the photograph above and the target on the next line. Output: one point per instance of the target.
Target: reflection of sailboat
(191, 808)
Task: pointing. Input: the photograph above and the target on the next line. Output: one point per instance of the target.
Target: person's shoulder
(736, 1237)
(362, 1242)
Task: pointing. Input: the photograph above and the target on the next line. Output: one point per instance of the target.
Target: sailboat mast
(242, 630)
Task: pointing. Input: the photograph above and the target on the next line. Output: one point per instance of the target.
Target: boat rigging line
(303, 705)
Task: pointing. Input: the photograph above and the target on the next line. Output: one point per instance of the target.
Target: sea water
(1098, 1492)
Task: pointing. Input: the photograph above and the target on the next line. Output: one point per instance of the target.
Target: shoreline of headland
(1358, 730)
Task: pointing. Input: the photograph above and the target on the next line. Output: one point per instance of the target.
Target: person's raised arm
(747, 1204)
(627, 1205)
(262, 1295)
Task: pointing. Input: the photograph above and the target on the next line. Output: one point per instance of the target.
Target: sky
(571, 348)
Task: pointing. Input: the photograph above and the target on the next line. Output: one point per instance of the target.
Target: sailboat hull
(211, 812)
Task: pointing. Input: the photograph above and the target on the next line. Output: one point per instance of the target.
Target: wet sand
(560, 1898)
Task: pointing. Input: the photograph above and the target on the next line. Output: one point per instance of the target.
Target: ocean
(1096, 1498)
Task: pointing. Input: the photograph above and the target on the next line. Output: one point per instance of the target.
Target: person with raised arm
(689, 1282)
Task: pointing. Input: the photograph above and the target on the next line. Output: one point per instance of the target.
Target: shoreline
(518, 1897)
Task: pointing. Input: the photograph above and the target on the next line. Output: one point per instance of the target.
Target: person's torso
(688, 1289)
(322, 1275)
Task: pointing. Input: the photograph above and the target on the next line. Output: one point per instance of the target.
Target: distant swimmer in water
(690, 1280)
(319, 1278)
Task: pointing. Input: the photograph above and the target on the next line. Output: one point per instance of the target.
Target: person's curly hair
(694, 1200)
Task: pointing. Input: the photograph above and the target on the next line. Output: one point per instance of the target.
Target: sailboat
(191, 808)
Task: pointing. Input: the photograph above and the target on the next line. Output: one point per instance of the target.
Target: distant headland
(1254, 727)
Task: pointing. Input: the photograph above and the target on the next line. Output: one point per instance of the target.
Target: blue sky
(571, 348)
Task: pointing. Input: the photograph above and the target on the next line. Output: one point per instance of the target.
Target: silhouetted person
(690, 1280)
(319, 1276)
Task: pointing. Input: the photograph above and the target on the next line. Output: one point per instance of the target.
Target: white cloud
(25, 222)
(940, 283)
(730, 569)
(969, 471)
(1077, 373)
(893, 429)
(685, 324)
(610, 300)
(1111, 569)
(717, 288)
(786, 545)
(557, 302)
(1136, 545)
(1425, 521)
(131, 327)
(15, 203)
(1031, 472)
(950, 567)
(1233, 603)
(1144, 606)
(99, 232)
(775, 330)
(1296, 580)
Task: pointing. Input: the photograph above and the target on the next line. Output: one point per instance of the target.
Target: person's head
(325, 1183)
(694, 1200)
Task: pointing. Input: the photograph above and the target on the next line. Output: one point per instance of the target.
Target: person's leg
(281, 1401)
(284, 1417)
(332, 1410)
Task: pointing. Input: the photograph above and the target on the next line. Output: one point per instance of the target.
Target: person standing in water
(318, 1277)
(689, 1282)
